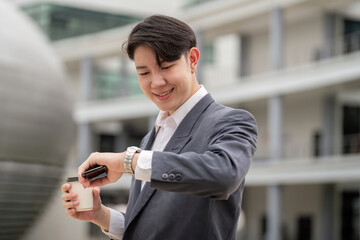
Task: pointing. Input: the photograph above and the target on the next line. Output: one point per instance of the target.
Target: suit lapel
(148, 140)
(182, 134)
(177, 142)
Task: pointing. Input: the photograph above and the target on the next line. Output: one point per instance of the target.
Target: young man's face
(170, 84)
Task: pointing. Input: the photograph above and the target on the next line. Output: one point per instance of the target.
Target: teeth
(165, 93)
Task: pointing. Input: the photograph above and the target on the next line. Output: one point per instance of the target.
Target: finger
(69, 197)
(91, 161)
(71, 204)
(96, 191)
(86, 183)
(83, 167)
(70, 212)
(96, 196)
(65, 187)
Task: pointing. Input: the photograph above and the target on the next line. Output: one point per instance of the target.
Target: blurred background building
(35, 122)
(294, 64)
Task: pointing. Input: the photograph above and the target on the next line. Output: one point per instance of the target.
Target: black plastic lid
(72, 179)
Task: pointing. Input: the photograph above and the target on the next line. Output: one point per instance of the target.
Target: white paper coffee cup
(85, 195)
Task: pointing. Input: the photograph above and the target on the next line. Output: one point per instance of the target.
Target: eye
(167, 67)
(144, 73)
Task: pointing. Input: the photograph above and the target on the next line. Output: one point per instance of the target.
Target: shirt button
(165, 176)
(178, 177)
(172, 176)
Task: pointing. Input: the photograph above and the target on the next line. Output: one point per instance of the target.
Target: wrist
(134, 161)
(102, 218)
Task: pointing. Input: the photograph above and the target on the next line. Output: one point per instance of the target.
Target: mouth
(163, 94)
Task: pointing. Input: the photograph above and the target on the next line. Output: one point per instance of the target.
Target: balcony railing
(340, 45)
(293, 149)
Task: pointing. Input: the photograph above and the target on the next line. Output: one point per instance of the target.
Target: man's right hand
(114, 163)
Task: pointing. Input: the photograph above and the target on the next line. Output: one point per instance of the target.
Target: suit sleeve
(217, 171)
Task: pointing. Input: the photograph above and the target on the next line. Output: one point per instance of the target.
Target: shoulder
(221, 112)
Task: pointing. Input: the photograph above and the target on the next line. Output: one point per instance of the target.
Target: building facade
(294, 64)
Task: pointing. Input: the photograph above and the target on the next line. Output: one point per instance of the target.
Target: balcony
(315, 75)
(342, 168)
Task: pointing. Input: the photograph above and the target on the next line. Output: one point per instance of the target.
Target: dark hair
(167, 36)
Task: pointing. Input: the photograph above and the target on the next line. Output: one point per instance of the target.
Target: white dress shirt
(166, 126)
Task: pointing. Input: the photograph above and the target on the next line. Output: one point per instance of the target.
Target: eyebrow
(141, 67)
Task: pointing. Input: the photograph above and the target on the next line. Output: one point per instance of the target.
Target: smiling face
(170, 84)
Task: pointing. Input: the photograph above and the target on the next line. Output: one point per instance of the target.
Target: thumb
(96, 191)
(96, 195)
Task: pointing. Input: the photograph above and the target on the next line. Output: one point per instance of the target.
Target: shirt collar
(182, 111)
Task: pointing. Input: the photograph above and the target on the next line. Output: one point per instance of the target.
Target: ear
(193, 57)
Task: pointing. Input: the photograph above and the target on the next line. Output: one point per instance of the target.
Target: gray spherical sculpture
(35, 122)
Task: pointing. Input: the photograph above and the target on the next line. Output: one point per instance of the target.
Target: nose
(157, 80)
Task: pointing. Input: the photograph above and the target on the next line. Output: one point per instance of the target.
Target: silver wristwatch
(130, 151)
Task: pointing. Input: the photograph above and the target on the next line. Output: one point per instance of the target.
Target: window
(351, 35)
(208, 54)
(350, 215)
(304, 228)
(351, 129)
(59, 22)
(107, 143)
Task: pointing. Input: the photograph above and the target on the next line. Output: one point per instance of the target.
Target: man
(190, 171)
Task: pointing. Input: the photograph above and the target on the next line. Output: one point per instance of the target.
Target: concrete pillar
(85, 137)
(86, 79)
(276, 38)
(329, 35)
(274, 192)
(124, 74)
(199, 69)
(243, 55)
(327, 146)
(275, 127)
(84, 142)
(121, 139)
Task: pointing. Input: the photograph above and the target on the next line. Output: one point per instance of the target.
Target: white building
(294, 64)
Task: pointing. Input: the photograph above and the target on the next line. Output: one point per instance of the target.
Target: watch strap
(130, 152)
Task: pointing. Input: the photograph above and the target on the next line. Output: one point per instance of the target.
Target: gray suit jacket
(197, 181)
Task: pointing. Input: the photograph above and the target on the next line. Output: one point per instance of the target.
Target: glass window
(59, 22)
(351, 35)
(208, 52)
(110, 84)
(351, 129)
(107, 84)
